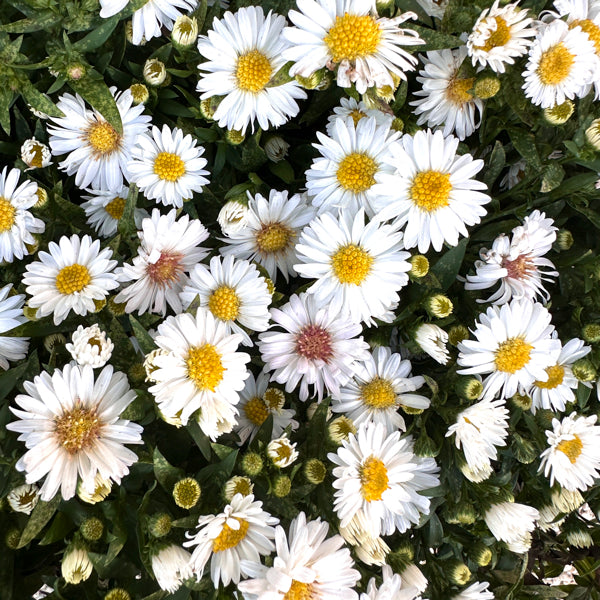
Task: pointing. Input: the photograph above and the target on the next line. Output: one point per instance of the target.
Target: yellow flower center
(7, 215)
(572, 448)
(205, 367)
(356, 172)
(373, 479)
(352, 37)
(299, 591)
(283, 452)
(38, 155)
(228, 538)
(430, 190)
(591, 29)
(351, 264)
(556, 374)
(274, 237)
(253, 71)
(512, 355)
(555, 64)
(224, 303)
(77, 429)
(242, 486)
(115, 208)
(357, 115)
(72, 279)
(103, 138)
(499, 37)
(169, 166)
(274, 398)
(256, 411)
(457, 91)
(378, 393)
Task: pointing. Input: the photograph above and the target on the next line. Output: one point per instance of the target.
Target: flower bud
(118, 594)
(76, 565)
(564, 239)
(252, 464)
(238, 485)
(481, 554)
(234, 137)
(42, 195)
(12, 538)
(101, 490)
(591, 333)
(233, 216)
(139, 93)
(439, 306)
(420, 265)
(592, 134)
(577, 533)
(458, 572)
(276, 148)
(117, 309)
(425, 446)
(559, 114)
(186, 493)
(282, 452)
(584, 370)
(469, 388)
(35, 154)
(339, 429)
(315, 471)
(522, 401)
(282, 486)
(92, 529)
(432, 340)
(208, 107)
(311, 82)
(185, 31)
(487, 87)
(54, 341)
(523, 449)
(160, 524)
(155, 72)
(76, 71)
(457, 334)
(23, 498)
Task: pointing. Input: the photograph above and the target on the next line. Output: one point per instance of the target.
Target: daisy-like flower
(35, 154)
(512, 523)
(350, 107)
(445, 98)
(557, 391)
(514, 345)
(476, 591)
(70, 277)
(347, 36)
(70, 424)
(562, 63)
(479, 430)
(271, 232)
(97, 153)
(234, 292)
(200, 370)
(317, 347)
(168, 251)
(381, 384)
(148, 21)
(500, 35)
(518, 263)
(105, 209)
(307, 565)
(433, 340)
(370, 549)
(350, 162)
(392, 588)
(573, 456)
(11, 316)
(24, 498)
(170, 565)
(16, 222)
(379, 477)
(434, 194)
(243, 531)
(245, 52)
(90, 346)
(257, 402)
(168, 167)
(358, 268)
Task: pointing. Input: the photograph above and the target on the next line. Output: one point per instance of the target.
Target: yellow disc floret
(499, 37)
(430, 190)
(351, 264)
(299, 591)
(556, 374)
(274, 237)
(588, 26)
(253, 71)
(512, 355)
(457, 91)
(224, 303)
(571, 448)
(77, 429)
(378, 393)
(205, 367)
(115, 208)
(103, 138)
(555, 64)
(229, 538)
(356, 172)
(72, 279)
(169, 166)
(7, 215)
(352, 37)
(373, 479)
(256, 411)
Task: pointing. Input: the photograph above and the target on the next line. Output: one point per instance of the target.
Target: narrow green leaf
(41, 514)
(552, 177)
(143, 337)
(126, 226)
(96, 93)
(447, 267)
(494, 164)
(9, 379)
(283, 170)
(434, 40)
(44, 21)
(97, 36)
(200, 438)
(6, 100)
(524, 143)
(40, 101)
(166, 474)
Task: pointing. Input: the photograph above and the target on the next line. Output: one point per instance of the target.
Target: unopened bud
(522, 401)
(591, 333)
(486, 87)
(155, 72)
(315, 471)
(559, 114)
(159, 525)
(185, 31)
(139, 93)
(457, 334)
(186, 493)
(234, 137)
(469, 388)
(282, 485)
(92, 529)
(439, 306)
(252, 464)
(564, 239)
(276, 148)
(420, 266)
(584, 370)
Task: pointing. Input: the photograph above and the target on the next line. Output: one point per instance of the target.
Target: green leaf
(447, 267)
(552, 177)
(44, 21)
(68, 212)
(9, 379)
(200, 438)
(435, 531)
(41, 514)
(143, 337)
(6, 100)
(221, 451)
(166, 474)
(126, 225)
(283, 170)
(97, 36)
(61, 526)
(40, 101)
(434, 40)
(524, 144)
(96, 93)
(494, 164)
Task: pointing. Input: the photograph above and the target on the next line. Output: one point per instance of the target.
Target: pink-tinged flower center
(314, 343)
(519, 268)
(166, 269)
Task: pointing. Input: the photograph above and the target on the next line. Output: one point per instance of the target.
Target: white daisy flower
(557, 391)
(70, 424)
(348, 35)
(573, 456)
(562, 63)
(434, 193)
(499, 36)
(518, 263)
(317, 347)
(380, 477)
(350, 162)
(233, 291)
(105, 209)
(271, 232)
(16, 222)
(514, 345)
(282, 452)
(476, 591)
(392, 588)
(11, 316)
(90, 346)
(70, 277)
(433, 340)
(200, 370)
(244, 53)
(257, 402)
(24, 498)
(168, 251)
(148, 21)
(479, 430)
(512, 523)
(243, 531)
(171, 567)
(445, 98)
(307, 565)
(358, 268)
(168, 167)
(381, 384)
(97, 153)
(35, 154)
(350, 107)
